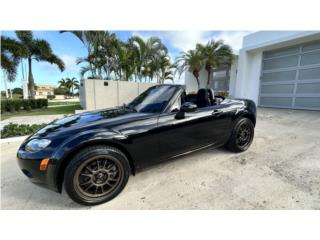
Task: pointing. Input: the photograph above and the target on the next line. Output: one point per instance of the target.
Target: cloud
(186, 40)
(233, 38)
(70, 62)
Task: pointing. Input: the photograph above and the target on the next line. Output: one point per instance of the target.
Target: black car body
(145, 136)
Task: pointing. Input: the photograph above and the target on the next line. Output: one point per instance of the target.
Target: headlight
(37, 144)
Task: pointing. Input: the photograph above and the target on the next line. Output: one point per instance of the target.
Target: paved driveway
(281, 170)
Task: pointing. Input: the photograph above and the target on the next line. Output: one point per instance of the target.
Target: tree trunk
(196, 75)
(30, 80)
(5, 84)
(100, 73)
(209, 70)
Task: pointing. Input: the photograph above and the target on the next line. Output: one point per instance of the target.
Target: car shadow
(17, 190)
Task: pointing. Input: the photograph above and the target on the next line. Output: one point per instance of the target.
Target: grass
(56, 103)
(49, 111)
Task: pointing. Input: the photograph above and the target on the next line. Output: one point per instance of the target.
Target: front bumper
(30, 167)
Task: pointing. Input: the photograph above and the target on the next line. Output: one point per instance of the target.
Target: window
(176, 105)
(153, 100)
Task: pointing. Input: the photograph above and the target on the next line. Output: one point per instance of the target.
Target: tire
(240, 142)
(96, 175)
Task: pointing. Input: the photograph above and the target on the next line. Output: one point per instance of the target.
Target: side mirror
(186, 107)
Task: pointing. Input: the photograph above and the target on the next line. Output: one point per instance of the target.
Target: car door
(197, 129)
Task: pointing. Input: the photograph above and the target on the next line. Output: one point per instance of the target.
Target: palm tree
(101, 47)
(215, 55)
(62, 83)
(106, 54)
(87, 38)
(140, 49)
(191, 61)
(72, 83)
(39, 50)
(165, 69)
(168, 75)
(147, 55)
(12, 53)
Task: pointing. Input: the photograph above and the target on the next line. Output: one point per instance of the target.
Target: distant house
(42, 91)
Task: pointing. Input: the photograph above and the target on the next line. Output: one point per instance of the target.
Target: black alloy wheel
(244, 135)
(241, 136)
(96, 175)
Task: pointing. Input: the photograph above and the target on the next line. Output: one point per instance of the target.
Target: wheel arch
(251, 117)
(248, 115)
(67, 158)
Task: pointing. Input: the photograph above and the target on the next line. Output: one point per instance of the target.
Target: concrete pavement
(281, 170)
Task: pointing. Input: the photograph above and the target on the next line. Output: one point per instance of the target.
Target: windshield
(153, 100)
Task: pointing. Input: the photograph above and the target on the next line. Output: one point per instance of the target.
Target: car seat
(211, 96)
(203, 98)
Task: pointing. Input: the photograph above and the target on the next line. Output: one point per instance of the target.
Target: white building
(275, 69)
(279, 69)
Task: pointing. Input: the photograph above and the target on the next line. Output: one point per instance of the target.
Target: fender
(80, 140)
(248, 110)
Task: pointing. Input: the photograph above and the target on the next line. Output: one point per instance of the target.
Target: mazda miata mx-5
(92, 154)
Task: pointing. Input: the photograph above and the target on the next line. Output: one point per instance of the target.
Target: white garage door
(291, 77)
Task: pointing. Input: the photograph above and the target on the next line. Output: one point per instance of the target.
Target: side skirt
(196, 150)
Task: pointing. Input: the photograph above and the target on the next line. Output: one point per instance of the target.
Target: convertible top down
(93, 153)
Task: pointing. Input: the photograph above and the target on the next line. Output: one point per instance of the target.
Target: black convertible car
(94, 153)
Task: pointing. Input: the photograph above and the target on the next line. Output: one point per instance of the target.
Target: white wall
(248, 75)
(233, 76)
(95, 95)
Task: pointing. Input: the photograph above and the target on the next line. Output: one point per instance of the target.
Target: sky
(69, 48)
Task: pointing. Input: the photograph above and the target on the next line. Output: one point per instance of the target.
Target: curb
(13, 139)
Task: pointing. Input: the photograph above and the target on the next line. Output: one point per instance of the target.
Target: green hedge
(14, 130)
(22, 104)
(50, 97)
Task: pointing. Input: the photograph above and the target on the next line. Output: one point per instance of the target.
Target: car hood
(106, 118)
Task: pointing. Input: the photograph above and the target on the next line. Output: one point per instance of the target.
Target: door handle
(217, 112)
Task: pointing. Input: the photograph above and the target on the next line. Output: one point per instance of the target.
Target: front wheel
(241, 136)
(96, 175)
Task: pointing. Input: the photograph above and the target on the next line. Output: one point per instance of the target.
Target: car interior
(203, 98)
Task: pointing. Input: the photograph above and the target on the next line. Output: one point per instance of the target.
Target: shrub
(14, 130)
(17, 104)
(26, 105)
(33, 103)
(50, 97)
(44, 103)
(10, 105)
(221, 93)
(17, 91)
(60, 91)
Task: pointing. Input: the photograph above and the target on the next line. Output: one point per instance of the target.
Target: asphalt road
(281, 170)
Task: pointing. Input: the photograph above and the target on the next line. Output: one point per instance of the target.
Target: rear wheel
(241, 136)
(96, 174)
